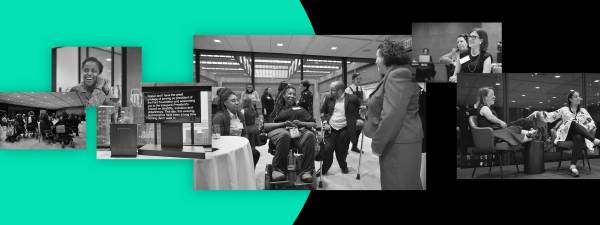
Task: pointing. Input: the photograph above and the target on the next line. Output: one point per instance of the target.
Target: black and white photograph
(305, 111)
(42, 120)
(104, 76)
(443, 50)
(528, 126)
(175, 123)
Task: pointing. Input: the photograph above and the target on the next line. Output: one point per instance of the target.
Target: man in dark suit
(340, 112)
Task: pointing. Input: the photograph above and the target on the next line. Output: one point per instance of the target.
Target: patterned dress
(582, 117)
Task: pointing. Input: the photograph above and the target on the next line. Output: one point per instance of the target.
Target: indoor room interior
(265, 61)
(518, 95)
(18, 131)
(441, 38)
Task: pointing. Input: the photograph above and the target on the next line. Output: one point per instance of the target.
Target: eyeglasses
(472, 36)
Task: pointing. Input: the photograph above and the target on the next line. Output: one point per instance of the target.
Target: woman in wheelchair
(291, 123)
(576, 126)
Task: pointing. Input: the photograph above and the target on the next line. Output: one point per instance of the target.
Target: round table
(231, 167)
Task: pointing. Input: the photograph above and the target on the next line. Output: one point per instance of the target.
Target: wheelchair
(64, 136)
(48, 136)
(293, 179)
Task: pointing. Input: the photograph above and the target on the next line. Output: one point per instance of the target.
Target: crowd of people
(17, 126)
(390, 116)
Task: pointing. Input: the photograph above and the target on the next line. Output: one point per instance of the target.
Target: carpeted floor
(510, 172)
(336, 180)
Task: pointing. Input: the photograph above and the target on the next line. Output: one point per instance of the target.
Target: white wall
(66, 68)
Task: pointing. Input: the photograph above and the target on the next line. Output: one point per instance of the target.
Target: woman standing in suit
(393, 120)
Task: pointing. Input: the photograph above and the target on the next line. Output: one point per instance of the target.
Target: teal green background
(71, 186)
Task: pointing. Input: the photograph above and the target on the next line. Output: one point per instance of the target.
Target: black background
(545, 37)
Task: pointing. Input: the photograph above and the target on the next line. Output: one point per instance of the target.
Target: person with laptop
(425, 69)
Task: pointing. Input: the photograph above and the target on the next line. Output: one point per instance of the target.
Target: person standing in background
(251, 94)
(340, 112)
(355, 89)
(267, 102)
(306, 98)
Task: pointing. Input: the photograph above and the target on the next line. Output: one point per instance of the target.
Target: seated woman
(486, 117)
(230, 118)
(285, 116)
(576, 125)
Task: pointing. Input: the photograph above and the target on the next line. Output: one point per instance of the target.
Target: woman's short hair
(481, 94)
(393, 53)
(484, 37)
(93, 59)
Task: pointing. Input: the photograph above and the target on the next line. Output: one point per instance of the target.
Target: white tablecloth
(229, 168)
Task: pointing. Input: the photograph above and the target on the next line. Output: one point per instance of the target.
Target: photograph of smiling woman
(94, 89)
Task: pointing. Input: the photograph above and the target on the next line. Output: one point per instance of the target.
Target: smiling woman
(94, 89)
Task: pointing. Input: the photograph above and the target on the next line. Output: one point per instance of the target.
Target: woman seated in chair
(576, 126)
(287, 114)
(512, 134)
(230, 118)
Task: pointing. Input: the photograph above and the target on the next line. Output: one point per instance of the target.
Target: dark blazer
(351, 106)
(393, 111)
(223, 119)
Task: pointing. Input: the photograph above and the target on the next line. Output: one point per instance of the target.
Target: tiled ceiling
(539, 90)
(44, 100)
(352, 46)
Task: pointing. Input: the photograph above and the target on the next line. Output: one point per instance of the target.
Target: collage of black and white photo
(279, 112)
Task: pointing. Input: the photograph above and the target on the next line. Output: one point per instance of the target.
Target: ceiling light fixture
(279, 44)
(334, 48)
(217, 41)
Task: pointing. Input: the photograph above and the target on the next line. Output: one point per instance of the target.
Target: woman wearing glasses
(478, 60)
(461, 50)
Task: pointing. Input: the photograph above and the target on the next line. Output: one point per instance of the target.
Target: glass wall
(524, 93)
(234, 70)
(530, 92)
(468, 87)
